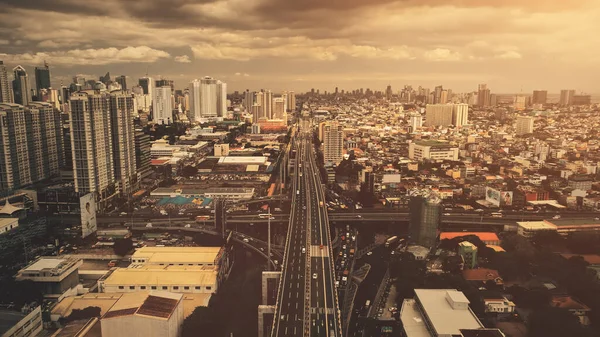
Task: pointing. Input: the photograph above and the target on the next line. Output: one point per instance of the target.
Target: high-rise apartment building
(524, 125)
(31, 144)
(279, 107)
(415, 121)
(266, 103)
(123, 140)
(46, 140)
(221, 99)
(248, 100)
(42, 78)
(143, 156)
(291, 101)
(6, 94)
(122, 80)
(147, 84)
(539, 97)
(258, 107)
(566, 97)
(437, 94)
(444, 97)
(582, 100)
(208, 97)
(460, 114)
(333, 143)
(162, 105)
(162, 82)
(91, 142)
(483, 96)
(438, 114)
(20, 85)
(424, 217)
(195, 101)
(388, 93)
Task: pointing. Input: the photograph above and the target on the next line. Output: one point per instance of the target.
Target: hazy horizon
(512, 46)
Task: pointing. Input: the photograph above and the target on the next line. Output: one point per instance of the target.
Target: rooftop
(446, 320)
(483, 236)
(481, 333)
(567, 302)
(167, 277)
(157, 255)
(412, 320)
(7, 221)
(432, 143)
(158, 304)
(536, 225)
(481, 274)
(574, 222)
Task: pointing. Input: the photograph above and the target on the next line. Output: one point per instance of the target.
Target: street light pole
(269, 239)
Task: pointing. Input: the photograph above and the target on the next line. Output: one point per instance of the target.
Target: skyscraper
(122, 80)
(15, 169)
(267, 104)
(31, 144)
(123, 140)
(437, 94)
(524, 125)
(279, 107)
(208, 97)
(566, 97)
(195, 101)
(143, 156)
(21, 88)
(6, 94)
(248, 100)
(162, 105)
(460, 114)
(147, 84)
(333, 143)
(444, 97)
(291, 101)
(42, 78)
(483, 96)
(539, 97)
(439, 114)
(91, 140)
(388, 93)
(424, 218)
(221, 99)
(164, 82)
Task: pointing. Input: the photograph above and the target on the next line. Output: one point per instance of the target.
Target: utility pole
(269, 239)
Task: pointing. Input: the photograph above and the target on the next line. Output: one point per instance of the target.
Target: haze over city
(510, 45)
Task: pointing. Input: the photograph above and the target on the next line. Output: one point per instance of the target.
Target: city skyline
(302, 45)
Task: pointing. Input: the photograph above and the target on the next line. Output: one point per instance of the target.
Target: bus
(264, 216)
(496, 215)
(201, 218)
(391, 240)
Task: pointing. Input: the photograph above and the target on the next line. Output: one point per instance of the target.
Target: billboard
(87, 206)
(492, 196)
(507, 198)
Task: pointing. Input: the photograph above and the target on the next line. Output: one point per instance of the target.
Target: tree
(77, 314)
(19, 293)
(555, 322)
(123, 246)
(203, 321)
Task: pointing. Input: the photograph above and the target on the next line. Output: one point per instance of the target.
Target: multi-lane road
(307, 303)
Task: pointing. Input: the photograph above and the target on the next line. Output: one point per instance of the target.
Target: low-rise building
(530, 228)
(437, 313)
(54, 276)
(432, 150)
(574, 306)
(8, 224)
(482, 275)
(468, 251)
(499, 305)
(154, 314)
(27, 322)
(488, 238)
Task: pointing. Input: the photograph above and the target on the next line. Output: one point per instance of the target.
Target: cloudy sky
(511, 45)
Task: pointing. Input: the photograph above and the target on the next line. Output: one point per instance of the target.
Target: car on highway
(369, 253)
(315, 276)
(246, 240)
(556, 217)
(303, 207)
(188, 226)
(358, 216)
(303, 250)
(446, 214)
(149, 225)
